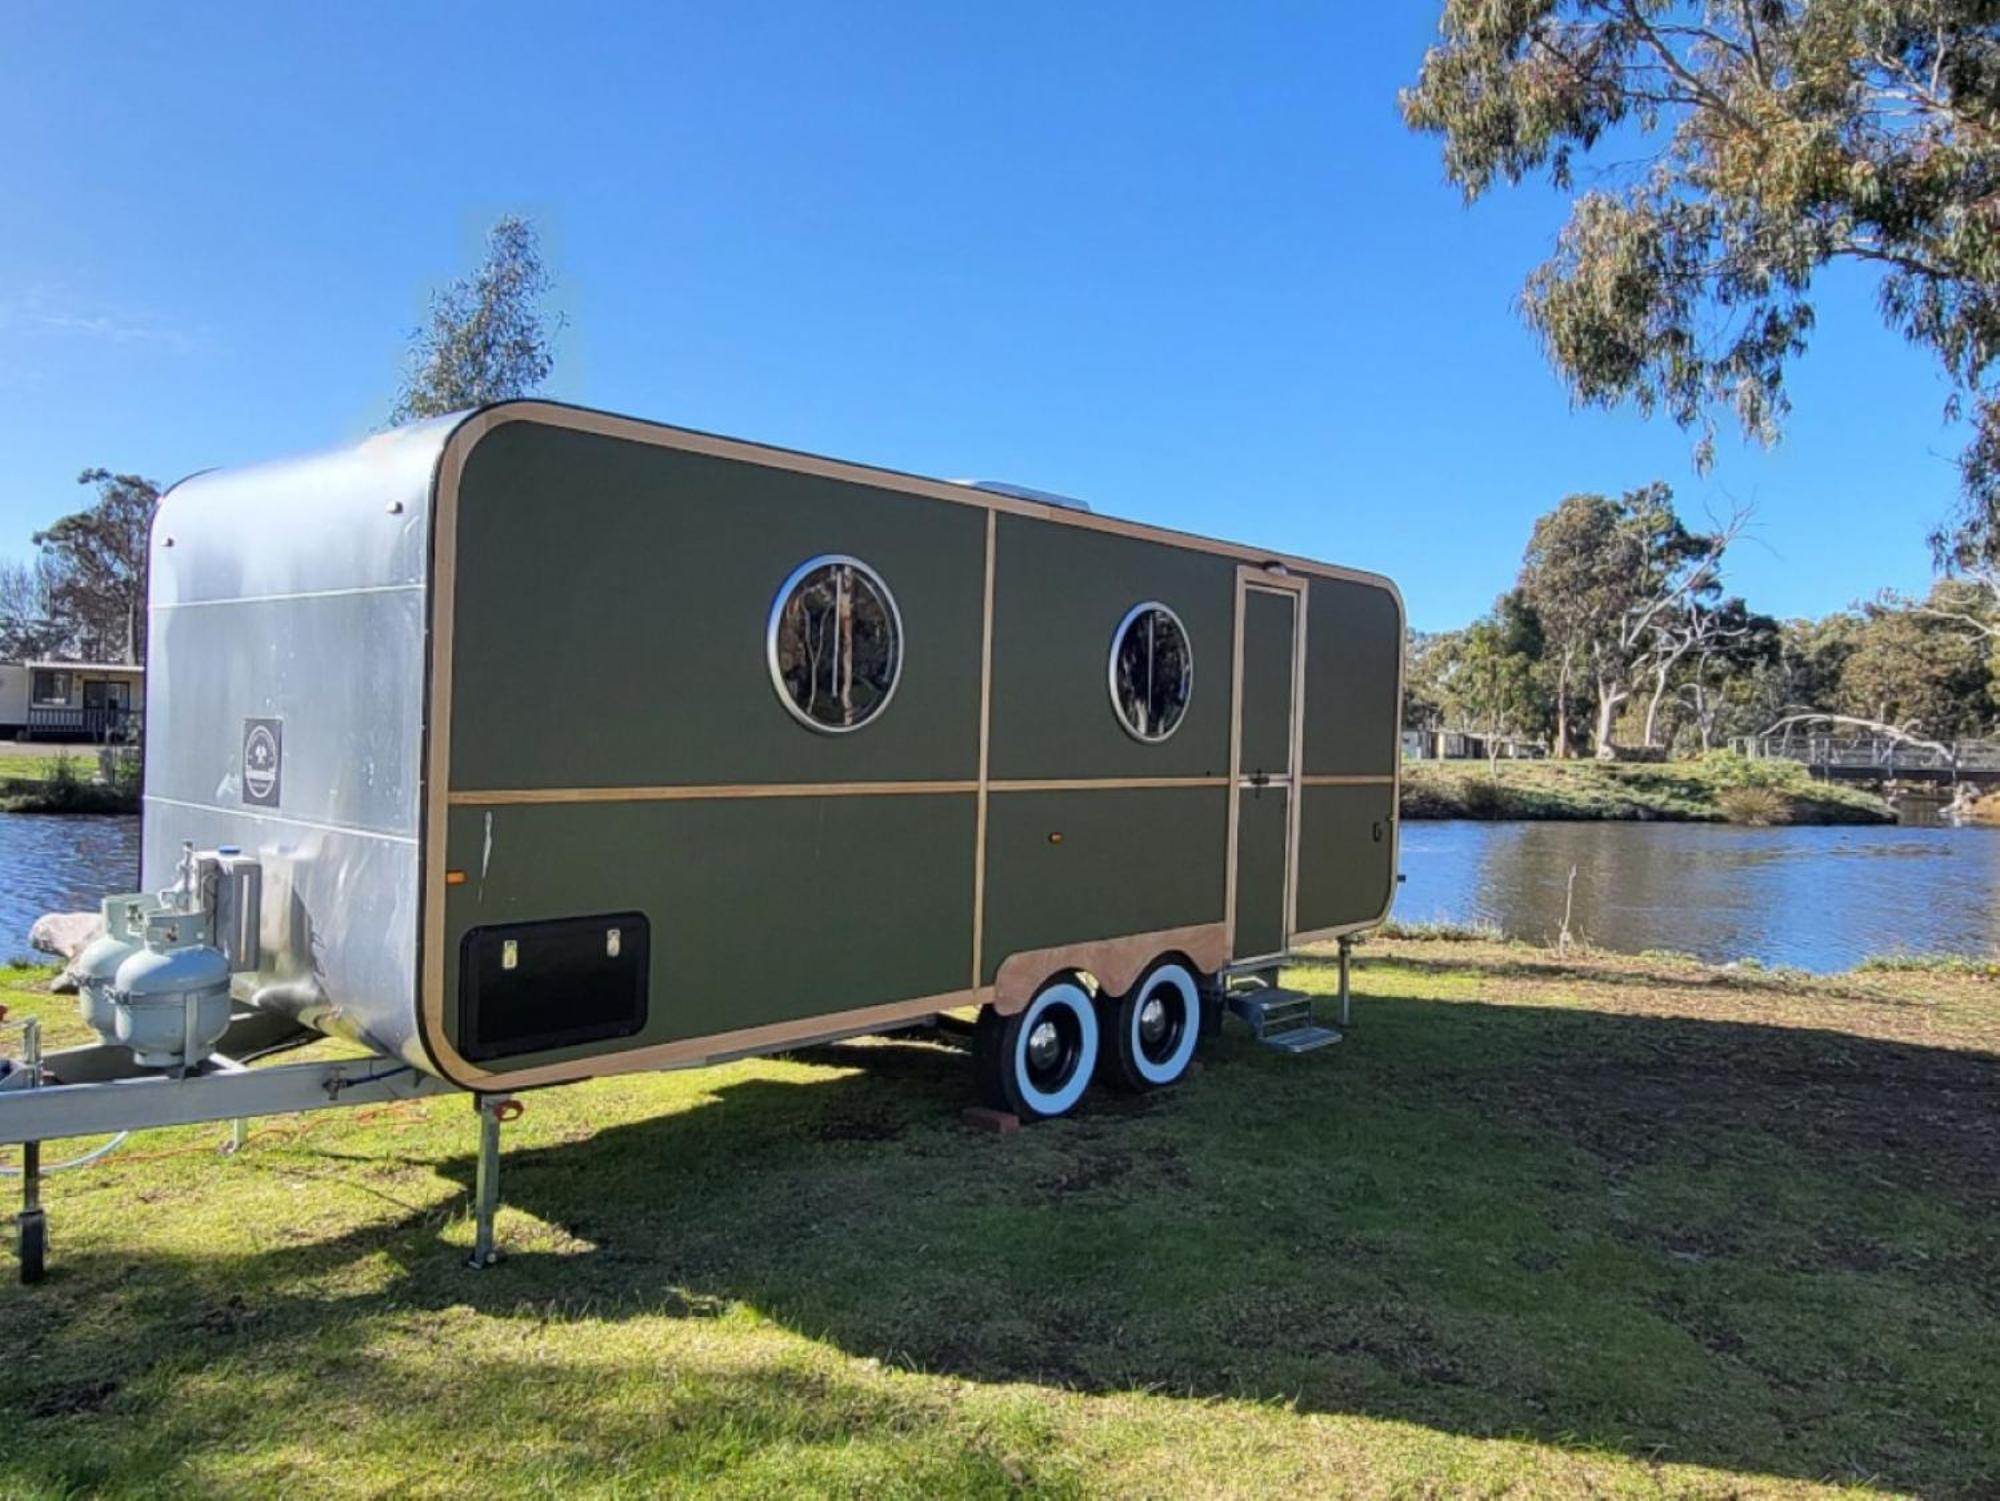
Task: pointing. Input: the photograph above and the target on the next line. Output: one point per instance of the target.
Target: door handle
(1260, 779)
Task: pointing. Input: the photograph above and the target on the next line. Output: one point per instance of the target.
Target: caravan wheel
(1150, 1033)
(1037, 1062)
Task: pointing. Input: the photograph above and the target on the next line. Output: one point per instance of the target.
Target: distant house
(93, 701)
(1462, 745)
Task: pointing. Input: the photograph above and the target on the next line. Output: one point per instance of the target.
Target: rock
(65, 934)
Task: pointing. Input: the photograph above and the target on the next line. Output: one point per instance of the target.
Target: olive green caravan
(620, 843)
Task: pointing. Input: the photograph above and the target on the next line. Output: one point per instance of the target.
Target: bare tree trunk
(1609, 697)
(1704, 718)
(1561, 749)
(1653, 705)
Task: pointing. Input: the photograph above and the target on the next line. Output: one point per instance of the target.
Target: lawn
(63, 780)
(1573, 1227)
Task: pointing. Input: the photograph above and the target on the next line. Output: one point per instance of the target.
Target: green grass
(1715, 789)
(64, 782)
(1596, 1227)
(1441, 931)
(1932, 964)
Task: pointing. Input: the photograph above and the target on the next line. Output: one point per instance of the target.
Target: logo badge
(263, 761)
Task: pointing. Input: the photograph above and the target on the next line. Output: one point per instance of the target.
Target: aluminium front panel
(285, 715)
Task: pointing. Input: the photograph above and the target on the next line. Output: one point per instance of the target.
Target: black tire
(1150, 1033)
(1037, 1063)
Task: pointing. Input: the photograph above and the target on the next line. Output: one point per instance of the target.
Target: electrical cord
(75, 1162)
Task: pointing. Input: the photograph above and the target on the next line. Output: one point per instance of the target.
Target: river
(1817, 898)
(55, 863)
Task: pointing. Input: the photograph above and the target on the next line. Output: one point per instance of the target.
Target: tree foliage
(1910, 667)
(1620, 621)
(1609, 581)
(1783, 135)
(84, 594)
(487, 338)
(1494, 687)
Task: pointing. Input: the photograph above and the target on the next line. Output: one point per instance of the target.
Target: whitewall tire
(1038, 1062)
(1150, 1033)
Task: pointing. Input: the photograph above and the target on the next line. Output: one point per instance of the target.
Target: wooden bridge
(1879, 758)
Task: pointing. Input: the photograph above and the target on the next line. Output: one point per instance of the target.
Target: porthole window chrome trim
(771, 628)
(1132, 616)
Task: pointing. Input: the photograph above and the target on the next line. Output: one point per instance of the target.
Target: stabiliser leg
(1346, 994)
(31, 1226)
(492, 1109)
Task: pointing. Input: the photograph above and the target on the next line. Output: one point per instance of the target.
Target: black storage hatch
(529, 987)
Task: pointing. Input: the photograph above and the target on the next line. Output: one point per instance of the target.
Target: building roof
(89, 666)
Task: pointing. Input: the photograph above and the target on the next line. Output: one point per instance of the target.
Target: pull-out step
(1280, 1018)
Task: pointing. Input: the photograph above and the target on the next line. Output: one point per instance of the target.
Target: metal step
(1280, 1018)
(1303, 1039)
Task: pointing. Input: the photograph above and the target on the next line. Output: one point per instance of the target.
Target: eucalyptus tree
(1603, 576)
(84, 593)
(1740, 147)
(1493, 687)
(487, 338)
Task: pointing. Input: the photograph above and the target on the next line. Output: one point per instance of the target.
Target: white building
(49, 700)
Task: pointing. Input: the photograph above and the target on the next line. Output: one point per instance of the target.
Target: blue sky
(1182, 261)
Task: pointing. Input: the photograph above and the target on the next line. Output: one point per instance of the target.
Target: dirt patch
(1903, 1113)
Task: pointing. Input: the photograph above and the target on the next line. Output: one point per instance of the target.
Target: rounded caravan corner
(1388, 586)
(167, 495)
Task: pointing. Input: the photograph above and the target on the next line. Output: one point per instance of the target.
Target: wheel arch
(1114, 964)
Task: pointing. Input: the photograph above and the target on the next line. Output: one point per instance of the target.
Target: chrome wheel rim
(1161, 1024)
(1051, 1049)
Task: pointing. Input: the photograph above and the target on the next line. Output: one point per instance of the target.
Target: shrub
(1441, 931)
(1734, 769)
(1934, 964)
(1753, 805)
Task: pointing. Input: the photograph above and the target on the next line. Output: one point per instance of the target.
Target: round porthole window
(835, 644)
(1152, 672)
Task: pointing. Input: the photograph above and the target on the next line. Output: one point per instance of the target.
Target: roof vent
(1024, 492)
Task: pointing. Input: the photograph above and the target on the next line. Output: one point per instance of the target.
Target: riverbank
(1540, 1226)
(63, 782)
(1717, 789)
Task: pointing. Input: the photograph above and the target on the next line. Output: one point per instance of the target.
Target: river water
(1818, 898)
(57, 863)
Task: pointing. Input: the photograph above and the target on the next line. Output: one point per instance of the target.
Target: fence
(1881, 754)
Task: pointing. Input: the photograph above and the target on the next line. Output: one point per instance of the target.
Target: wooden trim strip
(1300, 638)
(1107, 784)
(693, 792)
(985, 746)
(1235, 767)
(718, 792)
(1382, 779)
